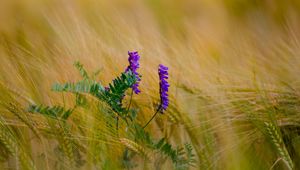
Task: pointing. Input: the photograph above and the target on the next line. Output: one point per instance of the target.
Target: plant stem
(130, 101)
(117, 123)
(152, 117)
(128, 107)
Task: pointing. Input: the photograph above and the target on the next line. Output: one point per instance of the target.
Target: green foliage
(82, 71)
(54, 112)
(182, 157)
(83, 86)
(113, 95)
(117, 89)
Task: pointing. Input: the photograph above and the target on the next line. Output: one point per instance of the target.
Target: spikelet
(135, 147)
(66, 144)
(21, 115)
(8, 139)
(278, 143)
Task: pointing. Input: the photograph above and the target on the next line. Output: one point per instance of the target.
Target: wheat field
(233, 75)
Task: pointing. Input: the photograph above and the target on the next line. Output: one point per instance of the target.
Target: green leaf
(55, 111)
(82, 71)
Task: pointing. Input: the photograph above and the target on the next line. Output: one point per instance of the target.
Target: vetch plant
(113, 96)
(133, 66)
(163, 91)
(164, 87)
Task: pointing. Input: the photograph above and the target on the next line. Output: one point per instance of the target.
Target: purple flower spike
(133, 66)
(164, 87)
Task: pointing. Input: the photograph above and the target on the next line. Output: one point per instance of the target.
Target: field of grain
(234, 75)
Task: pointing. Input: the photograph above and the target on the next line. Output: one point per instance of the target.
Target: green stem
(152, 117)
(127, 110)
(117, 123)
(129, 101)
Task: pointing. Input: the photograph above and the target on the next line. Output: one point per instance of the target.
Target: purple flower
(133, 66)
(164, 87)
(106, 88)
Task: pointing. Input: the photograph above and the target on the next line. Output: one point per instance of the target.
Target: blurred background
(228, 60)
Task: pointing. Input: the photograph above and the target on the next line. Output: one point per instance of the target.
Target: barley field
(68, 75)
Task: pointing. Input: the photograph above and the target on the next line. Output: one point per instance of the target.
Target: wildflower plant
(163, 91)
(133, 66)
(113, 95)
(163, 87)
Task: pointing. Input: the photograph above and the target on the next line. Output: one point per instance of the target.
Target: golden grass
(230, 61)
